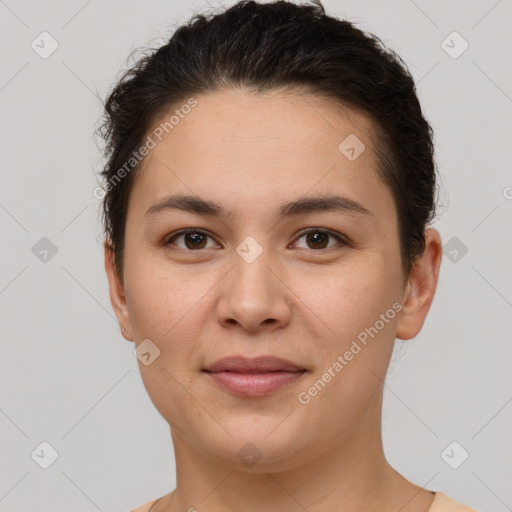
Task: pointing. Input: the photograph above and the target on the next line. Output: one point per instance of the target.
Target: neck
(352, 476)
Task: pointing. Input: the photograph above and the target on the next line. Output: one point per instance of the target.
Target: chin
(258, 444)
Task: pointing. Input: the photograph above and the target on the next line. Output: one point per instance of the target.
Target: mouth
(254, 377)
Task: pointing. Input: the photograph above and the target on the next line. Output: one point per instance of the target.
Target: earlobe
(117, 294)
(421, 286)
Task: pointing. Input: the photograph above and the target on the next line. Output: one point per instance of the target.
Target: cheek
(360, 308)
(345, 300)
(168, 307)
(172, 306)
(356, 321)
(161, 295)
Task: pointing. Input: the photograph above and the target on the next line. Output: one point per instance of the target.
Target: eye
(194, 239)
(318, 238)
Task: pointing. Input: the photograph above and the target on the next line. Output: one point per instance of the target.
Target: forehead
(249, 148)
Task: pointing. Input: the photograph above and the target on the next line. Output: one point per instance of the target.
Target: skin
(251, 154)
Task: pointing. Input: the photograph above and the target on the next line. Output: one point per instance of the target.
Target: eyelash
(342, 240)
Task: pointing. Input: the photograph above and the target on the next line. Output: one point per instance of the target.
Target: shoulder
(443, 503)
(145, 507)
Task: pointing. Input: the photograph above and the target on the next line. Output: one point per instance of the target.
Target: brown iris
(318, 239)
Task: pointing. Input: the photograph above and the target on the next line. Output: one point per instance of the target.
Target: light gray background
(67, 375)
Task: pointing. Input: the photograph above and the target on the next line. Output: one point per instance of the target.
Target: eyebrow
(302, 206)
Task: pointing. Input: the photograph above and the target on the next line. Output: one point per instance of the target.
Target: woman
(269, 184)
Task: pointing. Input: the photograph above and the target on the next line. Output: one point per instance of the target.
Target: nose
(254, 296)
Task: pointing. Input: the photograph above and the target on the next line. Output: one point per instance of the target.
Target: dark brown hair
(263, 47)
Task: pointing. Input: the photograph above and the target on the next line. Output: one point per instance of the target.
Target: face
(295, 254)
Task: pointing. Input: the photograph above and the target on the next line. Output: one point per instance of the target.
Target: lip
(254, 377)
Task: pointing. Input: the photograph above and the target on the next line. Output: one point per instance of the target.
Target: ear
(117, 295)
(420, 288)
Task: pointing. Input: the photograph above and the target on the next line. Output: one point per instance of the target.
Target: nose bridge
(252, 293)
(251, 273)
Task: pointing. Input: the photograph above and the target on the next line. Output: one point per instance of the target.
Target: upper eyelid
(186, 231)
